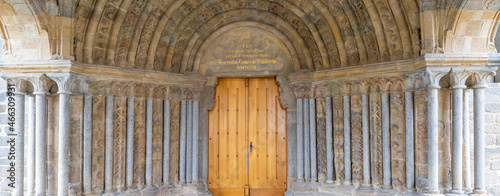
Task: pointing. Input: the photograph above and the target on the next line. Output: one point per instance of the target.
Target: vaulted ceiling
(155, 34)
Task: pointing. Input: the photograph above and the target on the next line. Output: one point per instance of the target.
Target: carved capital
(23, 85)
(480, 75)
(42, 84)
(140, 90)
(434, 75)
(71, 83)
(175, 93)
(458, 76)
(287, 95)
(302, 90)
(320, 90)
(100, 87)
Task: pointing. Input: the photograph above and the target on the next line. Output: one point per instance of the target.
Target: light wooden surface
(247, 110)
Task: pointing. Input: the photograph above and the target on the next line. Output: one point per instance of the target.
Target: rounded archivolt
(155, 35)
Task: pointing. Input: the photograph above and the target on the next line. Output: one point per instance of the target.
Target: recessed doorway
(247, 139)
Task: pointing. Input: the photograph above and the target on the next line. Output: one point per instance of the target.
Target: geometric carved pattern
(376, 138)
(119, 134)
(338, 137)
(421, 134)
(98, 124)
(398, 137)
(157, 141)
(357, 140)
(321, 134)
(139, 142)
(174, 140)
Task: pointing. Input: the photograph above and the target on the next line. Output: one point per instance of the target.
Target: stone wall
(492, 127)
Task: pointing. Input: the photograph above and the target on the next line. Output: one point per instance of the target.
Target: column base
(479, 192)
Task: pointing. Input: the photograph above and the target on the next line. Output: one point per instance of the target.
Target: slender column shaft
(63, 157)
(386, 144)
(456, 152)
(108, 159)
(479, 144)
(410, 158)
(130, 142)
(312, 131)
(366, 140)
(307, 158)
(41, 143)
(149, 142)
(182, 144)
(189, 139)
(347, 139)
(19, 143)
(87, 144)
(329, 140)
(432, 135)
(30, 190)
(195, 141)
(166, 141)
(300, 142)
(467, 175)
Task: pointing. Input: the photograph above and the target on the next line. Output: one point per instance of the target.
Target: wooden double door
(247, 139)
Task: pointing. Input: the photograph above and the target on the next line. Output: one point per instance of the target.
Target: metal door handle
(251, 146)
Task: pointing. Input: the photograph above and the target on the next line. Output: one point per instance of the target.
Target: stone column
(87, 144)
(467, 175)
(479, 143)
(30, 181)
(386, 143)
(329, 140)
(149, 142)
(130, 143)
(195, 141)
(312, 137)
(182, 144)
(108, 159)
(457, 84)
(300, 142)
(307, 158)
(189, 139)
(347, 139)
(41, 142)
(63, 154)
(166, 141)
(19, 128)
(366, 140)
(432, 135)
(410, 148)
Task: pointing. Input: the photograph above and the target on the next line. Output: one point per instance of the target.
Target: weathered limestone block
(76, 140)
(139, 142)
(174, 140)
(157, 142)
(376, 138)
(321, 141)
(398, 136)
(420, 134)
(356, 140)
(120, 135)
(98, 142)
(444, 126)
(338, 137)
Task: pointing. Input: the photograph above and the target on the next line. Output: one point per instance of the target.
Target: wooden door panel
(227, 135)
(247, 111)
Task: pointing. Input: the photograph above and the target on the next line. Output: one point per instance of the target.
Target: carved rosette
(356, 140)
(320, 135)
(420, 134)
(98, 138)
(119, 134)
(139, 141)
(338, 137)
(157, 141)
(398, 136)
(376, 138)
(174, 140)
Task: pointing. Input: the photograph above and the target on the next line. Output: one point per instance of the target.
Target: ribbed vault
(154, 35)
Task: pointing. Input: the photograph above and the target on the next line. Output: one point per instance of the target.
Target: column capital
(458, 76)
(68, 83)
(434, 75)
(480, 75)
(42, 84)
(302, 90)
